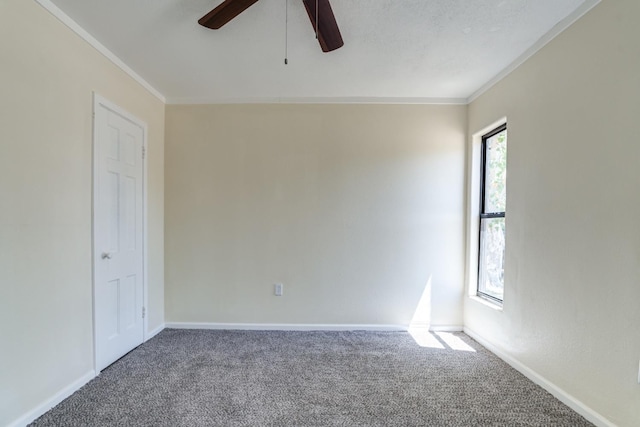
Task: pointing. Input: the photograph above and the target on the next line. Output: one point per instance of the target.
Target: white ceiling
(395, 50)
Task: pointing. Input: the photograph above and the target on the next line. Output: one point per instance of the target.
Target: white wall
(355, 208)
(47, 75)
(571, 309)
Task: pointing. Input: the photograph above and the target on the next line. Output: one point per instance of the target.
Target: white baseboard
(154, 332)
(446, 328)
(286, 326)
(573, 403)
(306, 327)
(53, 400)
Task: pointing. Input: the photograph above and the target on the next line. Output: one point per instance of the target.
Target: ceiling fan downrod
(286, 31)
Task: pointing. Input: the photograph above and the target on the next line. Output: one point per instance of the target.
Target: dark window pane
(491, 272)
(495, 173)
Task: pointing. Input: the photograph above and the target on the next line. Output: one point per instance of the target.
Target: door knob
(106, 255)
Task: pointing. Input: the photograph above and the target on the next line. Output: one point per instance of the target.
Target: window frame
(486, 215)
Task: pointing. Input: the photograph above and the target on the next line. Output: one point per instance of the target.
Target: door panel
(118, 235)
(128, 303)
(113, 207)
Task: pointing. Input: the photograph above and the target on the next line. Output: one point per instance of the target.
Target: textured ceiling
(394, 49)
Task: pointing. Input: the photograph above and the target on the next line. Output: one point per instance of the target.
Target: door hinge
(144, 312)
(144, 152)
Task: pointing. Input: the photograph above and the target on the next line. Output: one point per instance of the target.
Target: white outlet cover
(277, 289)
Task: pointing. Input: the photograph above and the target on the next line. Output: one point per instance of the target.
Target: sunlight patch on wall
(422, 315)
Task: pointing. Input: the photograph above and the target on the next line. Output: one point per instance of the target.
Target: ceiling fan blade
(328, 32)
(225, 12)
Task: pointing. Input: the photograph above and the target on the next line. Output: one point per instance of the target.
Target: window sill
(491, 304)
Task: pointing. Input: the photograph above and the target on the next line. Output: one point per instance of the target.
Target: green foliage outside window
(492, 240)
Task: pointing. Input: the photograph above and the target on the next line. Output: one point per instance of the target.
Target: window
(493, 185)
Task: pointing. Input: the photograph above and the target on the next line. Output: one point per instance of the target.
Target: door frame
(100, 101)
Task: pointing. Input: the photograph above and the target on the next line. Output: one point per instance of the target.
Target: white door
(118, 234)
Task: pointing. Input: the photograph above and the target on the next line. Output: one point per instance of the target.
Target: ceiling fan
(319, 11)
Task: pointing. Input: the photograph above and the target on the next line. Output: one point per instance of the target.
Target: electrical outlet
(277, 289)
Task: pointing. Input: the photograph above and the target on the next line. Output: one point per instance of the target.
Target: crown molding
(76, 28)
(316, 100)
(542, 42)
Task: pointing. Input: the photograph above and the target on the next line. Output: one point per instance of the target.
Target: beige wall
(354, 208)
(47, 75)
(571, 310)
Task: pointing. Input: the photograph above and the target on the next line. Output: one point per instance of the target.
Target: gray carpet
(257, 378)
